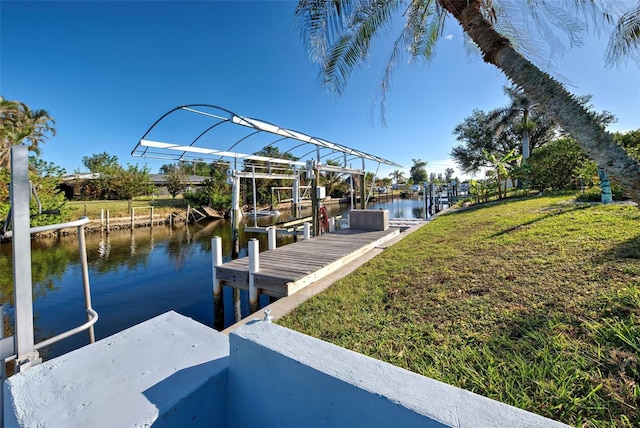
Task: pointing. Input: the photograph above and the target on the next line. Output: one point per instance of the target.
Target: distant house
(192, 181)
(78, 185)
(73, 185)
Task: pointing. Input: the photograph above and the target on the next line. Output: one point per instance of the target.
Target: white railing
(92, 315)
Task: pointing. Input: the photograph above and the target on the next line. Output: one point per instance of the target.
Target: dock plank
(290, 268)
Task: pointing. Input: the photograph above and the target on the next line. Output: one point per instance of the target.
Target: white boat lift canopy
(219, 135)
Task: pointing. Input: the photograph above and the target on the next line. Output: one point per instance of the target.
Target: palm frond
(625, 40)
(424, 22)
(339, 34)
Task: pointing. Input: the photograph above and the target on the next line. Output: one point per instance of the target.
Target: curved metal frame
(144, 147)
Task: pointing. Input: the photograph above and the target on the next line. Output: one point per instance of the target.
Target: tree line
(523, 143)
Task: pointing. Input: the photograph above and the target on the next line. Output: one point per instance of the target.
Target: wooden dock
(289, 268)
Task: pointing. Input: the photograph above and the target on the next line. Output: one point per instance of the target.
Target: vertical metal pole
(295, 194)
(82, 247)
(218, 301)
(133, 216)
(271, 238)
(151, 215)
(255, 199)
(363, 189)
(236, 215)
(426, 205)
(363, 203)
(314, 204)
(254, 267)
(21, 245)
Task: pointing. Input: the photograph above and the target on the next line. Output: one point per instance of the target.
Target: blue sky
(107, 70)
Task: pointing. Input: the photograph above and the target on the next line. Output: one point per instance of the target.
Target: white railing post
(254, 267)
(332, 224)
(271, 237)
(307, 231)
(21, 245)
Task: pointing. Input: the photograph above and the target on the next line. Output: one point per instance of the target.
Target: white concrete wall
(169, 371)
(280, 378)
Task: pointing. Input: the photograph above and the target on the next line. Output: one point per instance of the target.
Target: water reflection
(136, 275)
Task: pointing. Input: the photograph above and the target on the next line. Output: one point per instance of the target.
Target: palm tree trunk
(525, 135)
(549, 94)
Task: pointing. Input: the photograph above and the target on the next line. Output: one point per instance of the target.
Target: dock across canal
(289, 268)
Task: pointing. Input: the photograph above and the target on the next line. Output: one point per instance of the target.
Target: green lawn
(534, 302)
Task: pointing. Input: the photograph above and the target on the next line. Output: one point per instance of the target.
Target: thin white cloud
(449, 37)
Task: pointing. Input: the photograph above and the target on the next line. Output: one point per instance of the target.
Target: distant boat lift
(208, 133)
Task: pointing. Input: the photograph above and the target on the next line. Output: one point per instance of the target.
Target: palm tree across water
(397, 175)
(339, 35)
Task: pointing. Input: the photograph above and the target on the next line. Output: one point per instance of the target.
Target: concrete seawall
(173, 371)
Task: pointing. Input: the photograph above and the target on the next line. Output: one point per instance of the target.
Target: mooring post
(254, 267)
(151, 215)
(101, 220)
(133, 216)
(107, 221)
(218, 301)
(332, 224)
(271, 238)
(307, 231)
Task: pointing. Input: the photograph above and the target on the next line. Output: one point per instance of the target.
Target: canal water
(138, 275)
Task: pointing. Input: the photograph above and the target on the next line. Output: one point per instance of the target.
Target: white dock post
(307, 231)
(271, 238)
(107, 221)
(218, 301)
(254, 267)
(216, 259)
(133, 216)
(332, 224)
(101, 220)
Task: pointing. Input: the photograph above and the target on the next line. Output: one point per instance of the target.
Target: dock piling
(218, 301)
(332, 224)
(307, 231)
(271, 238)
(254, 267)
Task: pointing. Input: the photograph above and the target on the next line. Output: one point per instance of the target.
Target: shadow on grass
(629, 249)
(560, 211)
